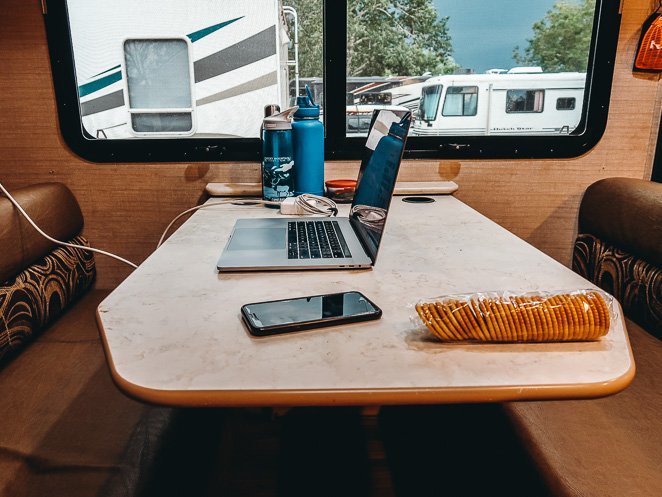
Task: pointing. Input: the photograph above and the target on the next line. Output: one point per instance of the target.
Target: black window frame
(464, 102)
(338, 146)
(568, 99)
(526, 90)
(436, 107)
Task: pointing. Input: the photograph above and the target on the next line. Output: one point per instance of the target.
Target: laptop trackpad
(258, 239)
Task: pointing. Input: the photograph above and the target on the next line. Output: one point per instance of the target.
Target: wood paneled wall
(126, 206)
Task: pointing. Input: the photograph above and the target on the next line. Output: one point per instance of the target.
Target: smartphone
(283, 316)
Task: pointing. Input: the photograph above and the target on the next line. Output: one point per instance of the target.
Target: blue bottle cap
(307, 105)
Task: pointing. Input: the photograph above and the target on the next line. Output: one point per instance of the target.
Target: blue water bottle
(277, 156)
(308, 134)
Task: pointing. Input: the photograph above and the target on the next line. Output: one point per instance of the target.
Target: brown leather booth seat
(610, 447)
(65, 429)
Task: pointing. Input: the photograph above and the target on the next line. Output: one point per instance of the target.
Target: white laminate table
(173, 334)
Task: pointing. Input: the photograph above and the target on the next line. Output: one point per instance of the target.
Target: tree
(311, 44)
(561, 39)
(384, 38)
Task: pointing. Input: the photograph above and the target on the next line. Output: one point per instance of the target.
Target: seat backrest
(39, 279)
(53, 208)
(619, 245)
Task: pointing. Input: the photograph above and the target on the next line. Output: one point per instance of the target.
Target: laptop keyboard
(316, 240)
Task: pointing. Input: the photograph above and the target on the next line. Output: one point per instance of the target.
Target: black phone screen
(308, 312)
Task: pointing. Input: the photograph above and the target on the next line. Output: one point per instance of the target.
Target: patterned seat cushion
(635, 283)
(40, 293)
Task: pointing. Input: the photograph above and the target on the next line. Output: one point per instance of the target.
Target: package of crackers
(503, 317)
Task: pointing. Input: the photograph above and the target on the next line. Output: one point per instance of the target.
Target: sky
(484, 33)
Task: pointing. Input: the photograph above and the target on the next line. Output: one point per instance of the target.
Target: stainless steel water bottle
(277, 156)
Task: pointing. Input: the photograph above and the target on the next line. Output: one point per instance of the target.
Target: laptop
(287, 243)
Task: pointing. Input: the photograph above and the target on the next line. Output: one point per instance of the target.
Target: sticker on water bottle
(277, 179)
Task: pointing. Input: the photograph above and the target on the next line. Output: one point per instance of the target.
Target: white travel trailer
(207, 71)
(500, 104)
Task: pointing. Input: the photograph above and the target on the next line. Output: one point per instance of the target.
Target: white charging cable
(58, 242)
(305, 204)
(308, 204)
(212, 204)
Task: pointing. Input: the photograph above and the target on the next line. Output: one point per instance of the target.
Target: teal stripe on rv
(99, 84)
(207, 31)
(107, 70)
(102, 83)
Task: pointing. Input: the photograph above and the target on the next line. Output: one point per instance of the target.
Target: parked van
(500, 104)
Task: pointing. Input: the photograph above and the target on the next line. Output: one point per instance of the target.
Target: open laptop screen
(379, 170)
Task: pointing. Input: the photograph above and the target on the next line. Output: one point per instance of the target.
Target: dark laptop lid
(379, 170)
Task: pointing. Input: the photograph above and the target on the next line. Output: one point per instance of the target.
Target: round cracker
(453, 319)
(503, 329)
(561, 316)
(436, 310)
(534, 307)
(460, 315)
(583, 318)
(550, 330)
(547, 309)
(517, 315)
(603, 311)
(591, 317)
(507, 314)
(531, 332)
(530, 308)
(467, 315)
(443, 331)
(421, 314)
(424, 314)
(489, 319)
(480, 319)
(573, 330)
(520, 327)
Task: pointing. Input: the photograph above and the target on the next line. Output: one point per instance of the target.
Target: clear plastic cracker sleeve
(511, 317)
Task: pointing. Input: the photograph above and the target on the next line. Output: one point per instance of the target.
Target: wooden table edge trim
(363, 397)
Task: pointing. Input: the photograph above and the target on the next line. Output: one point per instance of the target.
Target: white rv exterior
(237, 51)
(500, 104)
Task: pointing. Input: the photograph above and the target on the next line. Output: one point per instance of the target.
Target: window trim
(164, 110)
(574, 103)
(534, 111)
(599, 75)
(338, 146)
(436, 108)
(475, 113)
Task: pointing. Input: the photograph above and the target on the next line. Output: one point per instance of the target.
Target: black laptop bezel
(358, 229)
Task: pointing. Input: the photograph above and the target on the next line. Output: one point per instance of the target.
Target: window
(461, 101)
(159, 86)
(429, 105)
(565, 103)
(356, 58)
(520, 101)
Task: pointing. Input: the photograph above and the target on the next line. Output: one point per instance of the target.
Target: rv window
(524, 101)
(565, 103)
(461, 101)
(429, 104)
(158, 86)
(128, 102)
